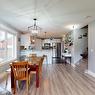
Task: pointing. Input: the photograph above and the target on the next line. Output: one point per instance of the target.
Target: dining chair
(40, 65)
(20, 71)
(38, 61)
(33, 55)
(33, 61)
(46, 58)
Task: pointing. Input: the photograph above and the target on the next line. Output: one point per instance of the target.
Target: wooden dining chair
(40, 65)
(33, 55)
(46, 58)
(38, 61)
(20, 71)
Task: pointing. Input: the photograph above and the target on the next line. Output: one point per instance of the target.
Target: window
(2, 46)
(7, 46)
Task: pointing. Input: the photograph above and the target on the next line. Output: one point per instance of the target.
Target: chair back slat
(20, 69)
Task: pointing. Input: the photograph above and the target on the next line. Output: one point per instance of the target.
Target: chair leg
(27, 82)
(46, 60)
(14, 89)
(40, 72)
(29, 79)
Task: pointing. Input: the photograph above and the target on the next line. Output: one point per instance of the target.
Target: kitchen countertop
(67, 54)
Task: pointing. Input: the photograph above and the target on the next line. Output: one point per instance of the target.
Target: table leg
(65, 60)
(37, 76)
(70, 60)
(12, 81)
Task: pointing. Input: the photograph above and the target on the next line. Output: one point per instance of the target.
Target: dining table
(34, 65)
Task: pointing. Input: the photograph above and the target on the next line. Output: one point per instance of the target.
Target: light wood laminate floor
(58, 79)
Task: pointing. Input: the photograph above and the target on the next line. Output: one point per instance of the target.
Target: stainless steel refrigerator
(56, 50)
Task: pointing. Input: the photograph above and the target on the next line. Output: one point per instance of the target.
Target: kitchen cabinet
(25, 40)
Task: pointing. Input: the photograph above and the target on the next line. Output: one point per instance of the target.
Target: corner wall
(79, 44)
(91, 47)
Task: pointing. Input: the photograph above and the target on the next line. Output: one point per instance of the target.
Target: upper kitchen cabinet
(25, 40)
(48, 43)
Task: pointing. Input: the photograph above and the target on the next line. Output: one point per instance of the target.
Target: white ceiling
(53, 15)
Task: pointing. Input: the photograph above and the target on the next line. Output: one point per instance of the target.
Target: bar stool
(45, 56)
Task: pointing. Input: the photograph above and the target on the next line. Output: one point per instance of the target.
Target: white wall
(91, 47)
(79, 45)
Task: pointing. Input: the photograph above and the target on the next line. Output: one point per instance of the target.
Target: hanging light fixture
(34, 29)
(45, 37)
(32, 39)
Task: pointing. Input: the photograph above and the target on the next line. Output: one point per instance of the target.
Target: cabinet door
(25, 40)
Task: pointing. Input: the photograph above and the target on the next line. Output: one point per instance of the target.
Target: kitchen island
(39, 53)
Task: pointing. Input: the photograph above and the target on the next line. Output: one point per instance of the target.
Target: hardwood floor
(82, 65)
(58, 79)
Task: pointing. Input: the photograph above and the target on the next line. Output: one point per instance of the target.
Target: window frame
(14, 47)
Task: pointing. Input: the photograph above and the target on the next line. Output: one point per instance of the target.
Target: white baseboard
(90, 73)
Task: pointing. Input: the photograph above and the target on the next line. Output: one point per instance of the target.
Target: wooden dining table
(32, 67)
